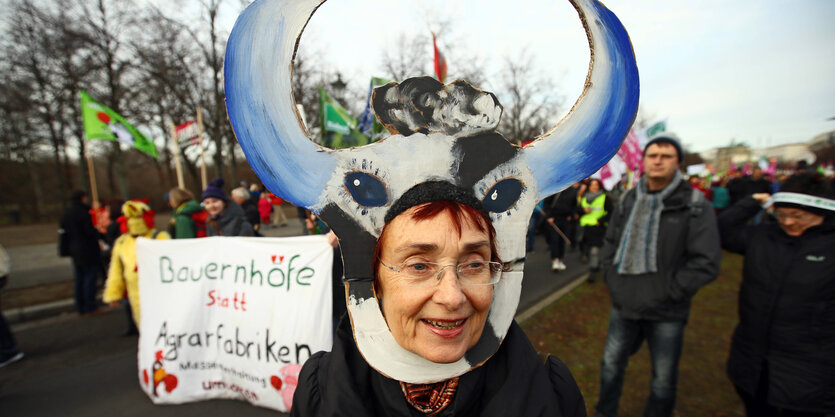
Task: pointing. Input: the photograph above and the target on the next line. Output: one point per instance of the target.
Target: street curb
(536, 308)
(39, 311)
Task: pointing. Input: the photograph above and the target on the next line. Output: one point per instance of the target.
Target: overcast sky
(762, 71)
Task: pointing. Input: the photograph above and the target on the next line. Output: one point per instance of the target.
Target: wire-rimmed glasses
(424, 274)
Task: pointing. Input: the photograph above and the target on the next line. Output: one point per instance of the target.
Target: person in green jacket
(184, 205)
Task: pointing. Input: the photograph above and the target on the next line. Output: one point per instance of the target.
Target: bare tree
(170, 71)
(29, 48)
(18, 144)
(530, 101)
(113, 64)
(217, 126)
(409, 57)
(74, 63)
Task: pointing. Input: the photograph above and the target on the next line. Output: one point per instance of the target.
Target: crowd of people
(654, 245)
(101, 239)
(658, 243)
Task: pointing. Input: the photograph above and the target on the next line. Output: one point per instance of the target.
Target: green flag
(100, 122)
(339, 128)
(368, 123)
(657, 128)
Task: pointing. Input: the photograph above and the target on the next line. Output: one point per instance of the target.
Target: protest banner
(231, 317)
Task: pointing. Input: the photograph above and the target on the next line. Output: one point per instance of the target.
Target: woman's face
(795, 221)
(213, 206)
(594, 186)
(440, 322)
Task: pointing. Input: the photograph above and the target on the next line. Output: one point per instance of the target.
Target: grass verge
(574, 329)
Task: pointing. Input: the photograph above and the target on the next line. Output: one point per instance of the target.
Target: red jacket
(264, 207)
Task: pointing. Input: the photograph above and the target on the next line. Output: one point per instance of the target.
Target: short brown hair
(179, 196)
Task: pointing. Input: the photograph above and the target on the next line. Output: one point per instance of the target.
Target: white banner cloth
(231, 317)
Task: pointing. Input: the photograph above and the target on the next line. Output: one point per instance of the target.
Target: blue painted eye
(366, 189)
(503, 195)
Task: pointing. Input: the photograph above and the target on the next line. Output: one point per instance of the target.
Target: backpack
(200, 222)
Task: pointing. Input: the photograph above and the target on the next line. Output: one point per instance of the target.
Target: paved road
(81, 366)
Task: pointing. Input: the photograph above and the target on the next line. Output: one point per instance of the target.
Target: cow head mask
(444, 137)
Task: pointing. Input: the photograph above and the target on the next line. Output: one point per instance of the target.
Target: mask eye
(503, 195)
(366, 189)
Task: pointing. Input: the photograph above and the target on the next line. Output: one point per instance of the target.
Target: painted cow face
(442, 133)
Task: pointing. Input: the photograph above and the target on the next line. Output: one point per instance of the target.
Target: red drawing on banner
(280, 258)
(169, 381)
(285, 382)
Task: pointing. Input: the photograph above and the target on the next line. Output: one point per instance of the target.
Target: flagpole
(177, 164)
(203, 177)
(91, 172)
(553, 226)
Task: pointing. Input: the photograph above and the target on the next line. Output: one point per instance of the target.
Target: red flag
(440, 62)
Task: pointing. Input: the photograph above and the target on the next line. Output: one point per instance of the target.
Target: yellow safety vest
(597, 212)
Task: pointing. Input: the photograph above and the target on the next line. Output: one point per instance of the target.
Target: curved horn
(259, 100)
(595, 127)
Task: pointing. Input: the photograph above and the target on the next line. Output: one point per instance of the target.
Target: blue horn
(591, 133)
(260, 104)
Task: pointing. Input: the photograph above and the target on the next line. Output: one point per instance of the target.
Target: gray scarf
(638, 246)
(590, 196)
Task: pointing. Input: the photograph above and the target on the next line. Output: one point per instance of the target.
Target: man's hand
(332, 239)
(550, 220)
(761, 198)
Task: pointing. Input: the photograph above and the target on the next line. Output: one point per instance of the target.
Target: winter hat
(215, 190)
(667, 138)
(137, 217)
(809, 192)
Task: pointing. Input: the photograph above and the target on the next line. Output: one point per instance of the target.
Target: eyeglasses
(798, 217)
(425, 274)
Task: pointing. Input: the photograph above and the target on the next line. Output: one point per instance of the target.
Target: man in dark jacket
(249, 205)
(561, 210)
(782, 357)
(82, 245)
(662, 245)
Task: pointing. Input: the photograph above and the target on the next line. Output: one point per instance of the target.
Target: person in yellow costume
(123, 275)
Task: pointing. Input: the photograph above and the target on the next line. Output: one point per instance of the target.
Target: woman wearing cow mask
(431, 222)
(436, 265)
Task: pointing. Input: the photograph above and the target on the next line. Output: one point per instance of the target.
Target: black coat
(230, 222)
(81, 237)
(514, 382)
(250, 207)
(786, 310)
(563, 204)
(688, 257)
(737, 189)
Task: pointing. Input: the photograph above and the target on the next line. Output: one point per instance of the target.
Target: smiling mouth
(445, 324)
